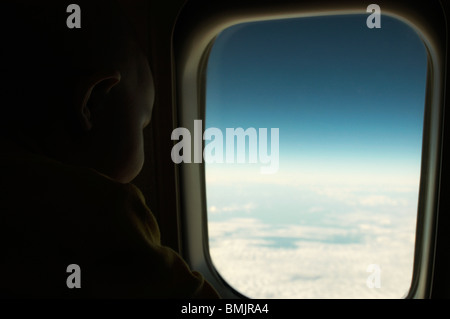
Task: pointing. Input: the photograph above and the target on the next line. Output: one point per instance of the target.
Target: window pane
(336, 215)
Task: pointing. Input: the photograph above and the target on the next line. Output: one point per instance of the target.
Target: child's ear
(94, 93)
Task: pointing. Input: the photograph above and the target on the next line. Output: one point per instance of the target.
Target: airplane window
(313, 141)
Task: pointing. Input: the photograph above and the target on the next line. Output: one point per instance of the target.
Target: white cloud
(313, 266)
(316, 209)
(307, 239)
(366, 197)
(244, 208)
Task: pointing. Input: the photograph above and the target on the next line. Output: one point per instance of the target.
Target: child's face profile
(114, 143)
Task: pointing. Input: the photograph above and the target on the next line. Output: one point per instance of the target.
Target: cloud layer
(311, 262)
(323, 251)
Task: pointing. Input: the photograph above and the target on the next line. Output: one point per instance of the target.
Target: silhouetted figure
(74, 103)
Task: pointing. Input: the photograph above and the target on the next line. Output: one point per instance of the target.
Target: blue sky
(336, 87)
(349, 103)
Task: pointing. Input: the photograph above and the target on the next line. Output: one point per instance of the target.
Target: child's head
(82, 96)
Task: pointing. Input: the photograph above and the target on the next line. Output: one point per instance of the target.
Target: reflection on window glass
(336, 217)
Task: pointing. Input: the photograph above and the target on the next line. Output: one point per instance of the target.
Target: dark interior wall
(441, 276)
